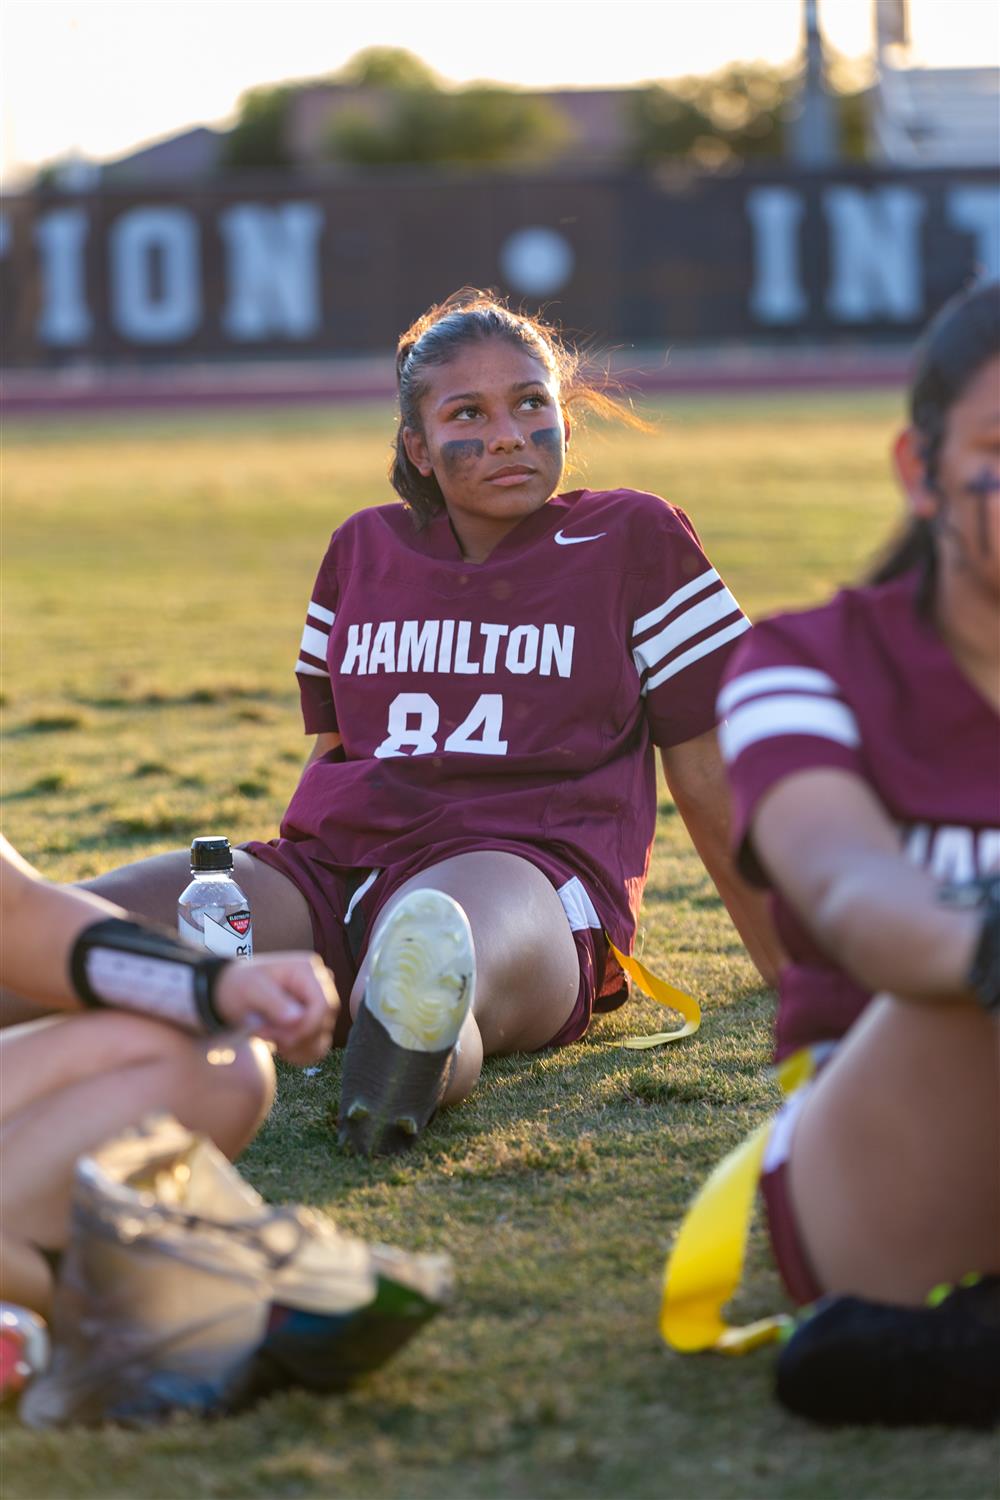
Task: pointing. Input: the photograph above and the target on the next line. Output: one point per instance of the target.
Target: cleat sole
(401, 1048)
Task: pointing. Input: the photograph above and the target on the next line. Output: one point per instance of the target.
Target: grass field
(155, 575)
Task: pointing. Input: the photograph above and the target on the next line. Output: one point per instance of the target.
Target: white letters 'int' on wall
(875, 255)
(877, 260)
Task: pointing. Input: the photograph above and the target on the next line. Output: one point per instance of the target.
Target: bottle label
(230, 938)
(239, 921)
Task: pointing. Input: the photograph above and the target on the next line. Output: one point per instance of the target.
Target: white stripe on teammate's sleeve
(787, 713)
(687, 591)
(773, 679)
(314, 642)
(315, 639)
(695, 653)
(693, 620)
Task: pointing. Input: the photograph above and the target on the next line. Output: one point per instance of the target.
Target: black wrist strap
(983, 977)
(146, 970)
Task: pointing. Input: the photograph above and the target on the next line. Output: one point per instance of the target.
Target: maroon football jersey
(515, 700)
(866, 685)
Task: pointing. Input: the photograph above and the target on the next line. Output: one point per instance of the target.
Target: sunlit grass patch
(523, 1150)
(153, 821)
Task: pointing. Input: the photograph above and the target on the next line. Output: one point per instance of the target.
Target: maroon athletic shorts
(789, 1252)
(343, 905)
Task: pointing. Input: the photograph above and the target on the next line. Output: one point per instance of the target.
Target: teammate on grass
(487, 667)
(863, 745)
(69, 1082)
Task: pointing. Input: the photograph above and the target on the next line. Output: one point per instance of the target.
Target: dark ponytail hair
(466, 317)
(963, 336)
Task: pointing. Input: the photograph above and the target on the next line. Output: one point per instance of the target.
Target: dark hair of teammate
(466, 317)
(958, 342)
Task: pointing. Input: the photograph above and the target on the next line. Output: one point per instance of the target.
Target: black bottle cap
(212, 853)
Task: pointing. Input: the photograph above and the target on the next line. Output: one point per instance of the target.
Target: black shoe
(401, 1047)
(870, 1362)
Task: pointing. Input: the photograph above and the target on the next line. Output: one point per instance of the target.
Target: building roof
(189, 156)
(936, 117)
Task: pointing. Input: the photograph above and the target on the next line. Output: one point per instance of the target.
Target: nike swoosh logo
(572, 541)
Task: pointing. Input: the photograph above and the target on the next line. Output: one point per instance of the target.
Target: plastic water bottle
(212, 912)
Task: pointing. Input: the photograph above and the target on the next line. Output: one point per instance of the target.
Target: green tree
(387, 68)
(475, 125)
(741, 113)
(852, 118)
(664, 124)
(746, 106)
(731, 114)
(258, 137)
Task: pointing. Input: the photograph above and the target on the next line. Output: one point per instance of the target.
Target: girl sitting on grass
(863, 746)
(487, 667)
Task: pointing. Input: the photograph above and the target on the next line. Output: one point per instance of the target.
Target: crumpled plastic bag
(181, 1289)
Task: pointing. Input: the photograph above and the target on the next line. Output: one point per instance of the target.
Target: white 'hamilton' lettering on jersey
(457, 646)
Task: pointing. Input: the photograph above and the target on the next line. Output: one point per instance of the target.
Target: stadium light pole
(892, 24)
(814, 136)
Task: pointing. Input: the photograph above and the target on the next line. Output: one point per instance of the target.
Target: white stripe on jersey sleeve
(695, 619)
(306, 669)
(315, 642)
(703, 648)
(787, 713)
(686, 591)
(324, 616)
(773, 679)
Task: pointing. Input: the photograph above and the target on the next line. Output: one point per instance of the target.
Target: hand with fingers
(285, 998)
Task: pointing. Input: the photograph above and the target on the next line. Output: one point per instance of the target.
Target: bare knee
(227, 1100)
(467, 1063)
(255, 1082)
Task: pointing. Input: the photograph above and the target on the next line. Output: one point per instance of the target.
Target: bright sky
(98, 77)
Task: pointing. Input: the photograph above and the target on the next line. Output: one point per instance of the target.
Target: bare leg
(150, 888)
(16, 1011)
(70, 1084)
(895, 1163)
(527, 970)
(25, 1277)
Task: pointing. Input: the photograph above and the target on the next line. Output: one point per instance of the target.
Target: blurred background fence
(275, 267)
(756, 208)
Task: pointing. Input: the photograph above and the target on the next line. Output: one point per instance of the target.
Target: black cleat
(401, 1047)
(870, 1362)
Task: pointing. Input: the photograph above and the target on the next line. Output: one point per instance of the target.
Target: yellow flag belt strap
(664, 994)
(705, 1266)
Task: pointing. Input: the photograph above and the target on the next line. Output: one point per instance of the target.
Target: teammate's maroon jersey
(511, 701)
(866, 685)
